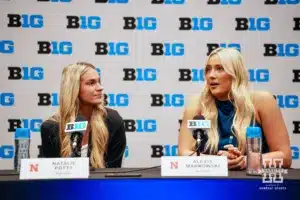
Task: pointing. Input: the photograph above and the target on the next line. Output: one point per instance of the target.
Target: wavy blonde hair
(239, 95)
(68, 110)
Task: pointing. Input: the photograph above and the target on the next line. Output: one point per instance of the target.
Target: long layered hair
(239, 95)
(68, 110)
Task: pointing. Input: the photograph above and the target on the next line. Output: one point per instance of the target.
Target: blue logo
(6, 46)
(126, 153)
(7, 99)
(7, 152)
(25, 21)
(26, 73)
(147, 125)
(32, 124)
(295, 152)
(117, 100)
(170, 150)
(282, 2)
(175, 2)
(112, 1)
(288, 101)
(259, 75)
(84, 22)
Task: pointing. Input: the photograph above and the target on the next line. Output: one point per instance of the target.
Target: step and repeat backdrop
(150, 55)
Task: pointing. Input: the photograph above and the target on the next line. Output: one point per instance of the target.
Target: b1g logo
(7, 46)
(213, 46)
(7, 99)
(83, 22)
(6, 151)
(56, 1)
(259, 75)
(295, 152)
(116, 100)
(112, 48)
(196, 24)
(140, 125)
(167, 100)
(25, 73)
(281, 50)
(252, 24)
(224, 2)
(55, 47)
(282, 2)
(25, 21)
(32, 124)
(164, 150)
(140, 23)
(112, 1)
(175, 2)
(297, 24)
(167, 49)
(47, 99)
(139, 74)
(287, 101)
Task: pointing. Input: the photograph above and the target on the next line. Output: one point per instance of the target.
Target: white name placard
(54, 168)
(207, 165)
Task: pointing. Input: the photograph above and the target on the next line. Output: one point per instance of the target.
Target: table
(150, 186)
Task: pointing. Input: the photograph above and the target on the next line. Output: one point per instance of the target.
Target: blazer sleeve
(50, 144)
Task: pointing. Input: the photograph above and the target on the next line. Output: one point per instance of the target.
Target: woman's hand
(235, 159)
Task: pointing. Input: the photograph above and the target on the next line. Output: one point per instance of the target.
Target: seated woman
(81, 93)
(231, 107)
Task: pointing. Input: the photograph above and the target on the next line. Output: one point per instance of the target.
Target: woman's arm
(274, 128)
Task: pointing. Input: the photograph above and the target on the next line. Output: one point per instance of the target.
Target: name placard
(207, 165)
(54, 168)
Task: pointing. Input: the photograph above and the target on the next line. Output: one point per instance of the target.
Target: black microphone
(199, 132)
(76, 130)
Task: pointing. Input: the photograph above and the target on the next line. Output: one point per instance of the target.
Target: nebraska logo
(174, 165)
(34, 168)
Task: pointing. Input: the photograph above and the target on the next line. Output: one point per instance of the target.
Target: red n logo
(34, 167)
(174, 165)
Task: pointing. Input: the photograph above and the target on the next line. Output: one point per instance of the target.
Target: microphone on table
(199, 126)
(76, 130)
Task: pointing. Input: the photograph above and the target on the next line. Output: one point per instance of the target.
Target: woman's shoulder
(113, 117)
(49, 125)
(193, 105)
(261, 97)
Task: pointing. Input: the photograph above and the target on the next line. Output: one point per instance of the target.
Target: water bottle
(22, 146)
(254, 150)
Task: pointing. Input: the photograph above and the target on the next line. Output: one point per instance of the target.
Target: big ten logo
(7, 46)
(167, 49)
(164, 150)
(83, 22)
(112, 48)
(175, 2)
(213, 46)
(25, 73)
(6, 152)
(296, 75)
(295, 152)
(167, 100)
(126, 152)
(55, 47)
(282, 50)
(272, 171)
(112, 1)
(25, 21)
(48, 99)
(7, 99)
(56, 1)
(296, 127)
(139, 74)
(140, 23)
(253, 24)
(259, 75)
(140, 125)
(116, 100)
(196, 23)
(74, 126)
(32, 124)
(287, 101)
(282, 2)
(224, 2)
(297, 24)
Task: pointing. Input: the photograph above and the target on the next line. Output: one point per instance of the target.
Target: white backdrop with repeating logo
(268, 38)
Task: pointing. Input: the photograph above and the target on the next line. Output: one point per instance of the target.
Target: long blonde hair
(68, 110)
(233, 64)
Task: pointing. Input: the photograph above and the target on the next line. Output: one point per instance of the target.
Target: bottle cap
(253, 132)
(22, 133)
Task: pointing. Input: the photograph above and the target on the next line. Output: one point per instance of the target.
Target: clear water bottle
(254, 150)
(22, 146)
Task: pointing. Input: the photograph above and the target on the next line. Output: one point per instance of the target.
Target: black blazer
(116, 141)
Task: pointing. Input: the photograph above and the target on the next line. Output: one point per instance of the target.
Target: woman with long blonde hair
(81, 93)
(227, 101)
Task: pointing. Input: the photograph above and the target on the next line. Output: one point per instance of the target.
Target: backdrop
(150, 55)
